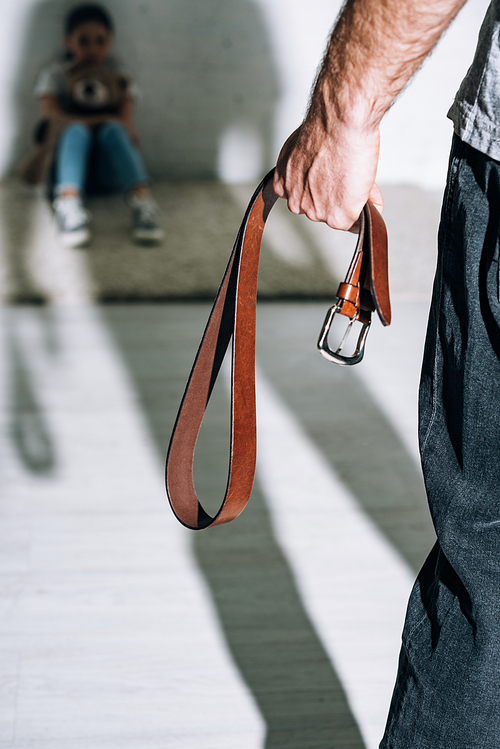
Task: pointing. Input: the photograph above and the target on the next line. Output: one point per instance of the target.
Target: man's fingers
(282, 166)
(376, 198)
(301, 201)
(278, 186)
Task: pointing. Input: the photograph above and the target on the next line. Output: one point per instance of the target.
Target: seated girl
(87, 110)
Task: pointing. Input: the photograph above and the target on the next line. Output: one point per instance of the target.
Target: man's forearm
(375, 48)
(327, 168)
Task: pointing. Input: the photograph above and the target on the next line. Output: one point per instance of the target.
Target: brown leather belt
(233, 315)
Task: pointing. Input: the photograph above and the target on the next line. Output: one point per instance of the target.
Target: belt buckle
(336, 356)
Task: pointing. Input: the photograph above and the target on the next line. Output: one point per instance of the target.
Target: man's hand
(327, 167)
(329, 177)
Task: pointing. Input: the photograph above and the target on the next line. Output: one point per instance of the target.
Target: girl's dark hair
(84, 14)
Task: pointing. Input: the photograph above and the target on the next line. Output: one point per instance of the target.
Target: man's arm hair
(375, 48)
(327, 167)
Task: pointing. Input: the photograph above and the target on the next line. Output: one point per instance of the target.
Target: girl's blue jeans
(447, 693)
(117, 163)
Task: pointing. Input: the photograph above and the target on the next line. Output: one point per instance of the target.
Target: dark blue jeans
(447, 693)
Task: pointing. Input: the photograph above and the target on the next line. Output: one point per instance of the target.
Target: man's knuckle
(312, 214)
(294, 203)
(278, 188)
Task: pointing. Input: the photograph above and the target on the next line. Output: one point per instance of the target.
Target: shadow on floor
(267, 629)
(339, 414)
(29, 427)
(271, 638)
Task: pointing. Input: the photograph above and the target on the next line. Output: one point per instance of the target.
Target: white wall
(225, 81)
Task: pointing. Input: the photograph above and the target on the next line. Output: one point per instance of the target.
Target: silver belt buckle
(336, 356)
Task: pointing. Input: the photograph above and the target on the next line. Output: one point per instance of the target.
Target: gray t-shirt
(475, 113)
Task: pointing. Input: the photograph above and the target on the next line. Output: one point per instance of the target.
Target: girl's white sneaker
(73, 221)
